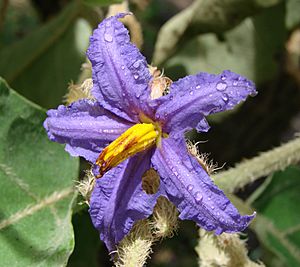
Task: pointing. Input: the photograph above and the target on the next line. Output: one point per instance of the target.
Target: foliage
(36, 181)
(40, 57)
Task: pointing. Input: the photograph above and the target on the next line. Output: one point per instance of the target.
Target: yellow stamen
(138, 138)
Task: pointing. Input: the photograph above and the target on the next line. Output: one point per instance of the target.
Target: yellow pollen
(136, 139)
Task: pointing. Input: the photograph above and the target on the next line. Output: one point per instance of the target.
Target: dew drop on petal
(191, 92)
(198, 197)
(223, 77)
(135, 76)
(235, 83)
(190, 188)
(123, 67)
(225, 98)
(136, 64)
(223, 206)
(253, 93)
(221, 86)
(198, 86)
(108, 37)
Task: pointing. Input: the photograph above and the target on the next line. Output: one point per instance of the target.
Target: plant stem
(266, 163)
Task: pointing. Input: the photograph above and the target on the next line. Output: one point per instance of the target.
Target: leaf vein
(31, 209)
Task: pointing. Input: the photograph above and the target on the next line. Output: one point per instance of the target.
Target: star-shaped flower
(145, 133)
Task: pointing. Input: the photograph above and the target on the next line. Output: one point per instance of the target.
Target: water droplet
(223, 77)
(137, 95)
(198, 86)
(136, 64)
(190, 188)
(221, 86)
(198, 197)
(123, 67)
(212, 207)
(191, 92)
(135, 76)
(108, 37)
(225, 97)
(253, 93)
(223, 206)
(235, 83)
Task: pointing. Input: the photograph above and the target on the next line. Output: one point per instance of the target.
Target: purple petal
(118, 199)
(190, 188)
(120, 72)
(85, 127)
(194, 97)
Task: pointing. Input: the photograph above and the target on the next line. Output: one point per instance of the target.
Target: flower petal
(85, 127)
(190, 188)
(196, 96)
(120, 72)
(118, 199)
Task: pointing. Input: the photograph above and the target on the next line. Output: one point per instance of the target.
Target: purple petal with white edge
(85, 127)
(120, 72)
(191, 189)
(118, 199)
(196, 96)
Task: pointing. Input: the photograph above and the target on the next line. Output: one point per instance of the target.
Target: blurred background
(42, 52)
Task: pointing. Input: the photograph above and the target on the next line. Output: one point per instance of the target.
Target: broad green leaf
(278, 222)
(43, 63)
(36, 187)
(249, 49)
(203, 17)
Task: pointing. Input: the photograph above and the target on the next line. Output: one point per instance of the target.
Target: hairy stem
(264, 164)
(135, 248)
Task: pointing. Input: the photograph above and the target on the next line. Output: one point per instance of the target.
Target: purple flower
(123, 107)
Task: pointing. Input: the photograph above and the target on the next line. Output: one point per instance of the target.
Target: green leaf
(278, 223)
(43, 63)
(36, 184)
(203, 17)
(249, 49)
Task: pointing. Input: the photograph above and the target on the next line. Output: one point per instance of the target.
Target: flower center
(137, 138)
